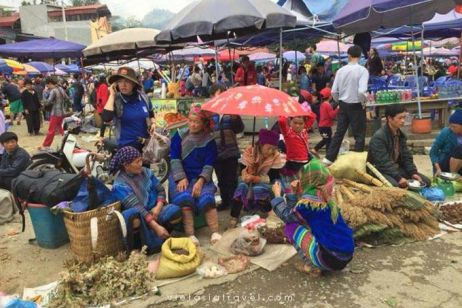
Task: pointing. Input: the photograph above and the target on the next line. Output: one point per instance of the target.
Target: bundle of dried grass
(107, 281)
(373, 211)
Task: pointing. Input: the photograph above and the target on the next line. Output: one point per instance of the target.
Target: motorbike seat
(110, 144)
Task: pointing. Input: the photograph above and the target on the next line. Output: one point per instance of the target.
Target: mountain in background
(157, 18)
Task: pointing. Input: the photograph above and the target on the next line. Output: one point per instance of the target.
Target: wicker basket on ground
(90, 241)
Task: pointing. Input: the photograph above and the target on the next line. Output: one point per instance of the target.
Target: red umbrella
(256, 101)
(226, 56)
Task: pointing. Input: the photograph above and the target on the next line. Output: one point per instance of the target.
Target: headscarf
(317, 185)
(204, 115)
(124, 156)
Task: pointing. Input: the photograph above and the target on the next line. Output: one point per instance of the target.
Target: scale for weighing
(446, 184)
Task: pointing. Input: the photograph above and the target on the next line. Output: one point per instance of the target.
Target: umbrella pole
(216, 64)
(230, 58)
(416, 72)
(253, 130)
(139, 67)
(338, 49)
(280, 59)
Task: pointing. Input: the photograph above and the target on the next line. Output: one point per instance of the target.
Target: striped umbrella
(28, 70)
(43, 67)
(15, 65)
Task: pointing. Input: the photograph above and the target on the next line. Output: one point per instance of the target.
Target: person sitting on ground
(446, 151)
(389, 153)
(313, 223)
(193, 154)
(14, 159)
(143, 200)
(260, 169)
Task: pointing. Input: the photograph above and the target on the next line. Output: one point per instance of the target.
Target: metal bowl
(415, 185)
(449, 176)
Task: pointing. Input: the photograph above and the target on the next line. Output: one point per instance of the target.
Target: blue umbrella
(71, 68)
(368, 15)
(43, 67)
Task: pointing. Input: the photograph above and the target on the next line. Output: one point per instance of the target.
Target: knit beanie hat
(456, 117)
(266, 136)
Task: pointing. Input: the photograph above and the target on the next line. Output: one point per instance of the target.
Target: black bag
(46, 187)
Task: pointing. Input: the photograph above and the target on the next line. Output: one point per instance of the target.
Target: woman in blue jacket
(446, 151)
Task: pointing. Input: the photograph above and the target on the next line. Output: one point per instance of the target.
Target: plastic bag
(235, 264)
(433, 194)
(211, 270)
(248, 243)
(346, 165)
(157, 148)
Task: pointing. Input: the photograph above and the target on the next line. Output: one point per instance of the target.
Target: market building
(82, 24)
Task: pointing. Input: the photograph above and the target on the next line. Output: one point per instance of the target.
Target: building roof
(9, 21)
(77, 10)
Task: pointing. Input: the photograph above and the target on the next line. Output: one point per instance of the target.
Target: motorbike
(71, 158)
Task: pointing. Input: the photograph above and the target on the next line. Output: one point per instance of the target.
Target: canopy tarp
(42, 48)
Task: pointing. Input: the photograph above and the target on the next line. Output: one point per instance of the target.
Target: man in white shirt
(349, 90)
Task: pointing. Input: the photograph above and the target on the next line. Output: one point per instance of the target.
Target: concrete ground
(422, 274)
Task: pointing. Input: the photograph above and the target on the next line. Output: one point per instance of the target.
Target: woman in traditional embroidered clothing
(314, 224)
(261, 167)
(143, 200)
(193, 154)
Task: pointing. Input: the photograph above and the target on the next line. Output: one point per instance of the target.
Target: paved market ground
(424, 274)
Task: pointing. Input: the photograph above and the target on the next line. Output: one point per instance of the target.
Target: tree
(132, 22)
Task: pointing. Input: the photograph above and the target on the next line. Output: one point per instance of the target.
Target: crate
(49, 228)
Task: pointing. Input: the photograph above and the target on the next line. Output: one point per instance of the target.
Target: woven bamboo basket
(109, 233)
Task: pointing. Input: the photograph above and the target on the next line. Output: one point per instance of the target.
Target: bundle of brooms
(380, 214)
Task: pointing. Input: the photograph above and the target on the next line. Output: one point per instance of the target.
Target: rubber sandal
(195, 240)
(306, 269)
(215, 238)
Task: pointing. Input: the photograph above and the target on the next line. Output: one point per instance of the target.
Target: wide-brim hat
(126, 73)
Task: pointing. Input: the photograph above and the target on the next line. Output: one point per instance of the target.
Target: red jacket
(296, 143)
(241, 73)
(327, 114)
(102, 94)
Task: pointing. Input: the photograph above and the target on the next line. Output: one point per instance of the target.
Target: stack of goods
(452, 212)
(107, 281)
(385, 215)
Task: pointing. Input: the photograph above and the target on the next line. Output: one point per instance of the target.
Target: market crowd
(286, 178)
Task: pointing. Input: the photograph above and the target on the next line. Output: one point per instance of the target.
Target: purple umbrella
(367, 15)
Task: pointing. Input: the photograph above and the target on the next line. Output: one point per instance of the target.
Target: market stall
(439, 104)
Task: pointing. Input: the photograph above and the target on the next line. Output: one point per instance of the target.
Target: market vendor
(313, 222)
(389, 153)
(13, 161)
(130, 109)
(193, 155)
(143, 200)
(446, 151)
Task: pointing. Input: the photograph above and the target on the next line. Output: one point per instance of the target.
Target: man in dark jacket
(14, 160)
(79, 91)
(389, 153)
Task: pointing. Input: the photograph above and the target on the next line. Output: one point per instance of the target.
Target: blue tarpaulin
(42, 49)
